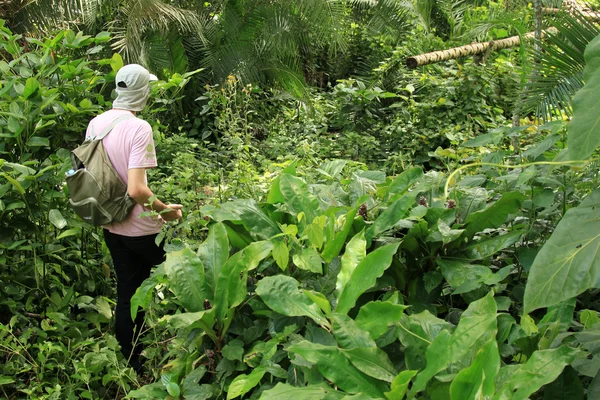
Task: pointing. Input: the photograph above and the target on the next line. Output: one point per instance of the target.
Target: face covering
(132, 99)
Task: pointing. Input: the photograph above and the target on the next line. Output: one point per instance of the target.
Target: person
(131, 242)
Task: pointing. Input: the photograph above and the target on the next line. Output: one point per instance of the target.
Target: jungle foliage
(352, 230)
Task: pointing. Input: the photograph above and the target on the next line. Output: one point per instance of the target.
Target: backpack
(96, 192)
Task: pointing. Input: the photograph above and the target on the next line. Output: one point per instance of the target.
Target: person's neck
(122, 109)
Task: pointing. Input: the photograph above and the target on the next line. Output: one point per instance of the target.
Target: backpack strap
(110, 127)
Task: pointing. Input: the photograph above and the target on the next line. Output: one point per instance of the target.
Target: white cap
(133, 88)
(133, 76)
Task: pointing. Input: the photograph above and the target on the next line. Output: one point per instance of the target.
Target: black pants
(133, 258)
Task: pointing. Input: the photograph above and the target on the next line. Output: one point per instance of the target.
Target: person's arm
(141, 193)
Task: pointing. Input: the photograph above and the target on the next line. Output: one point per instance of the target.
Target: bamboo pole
(587, 14)
(468, 50)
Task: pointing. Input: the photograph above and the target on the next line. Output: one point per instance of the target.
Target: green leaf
(479, 379)
(404, 181)
(252, 217)
(36, 141)
(375, 317)
(335, 367)
(568, 263)
(173, 389)
(309, 260)
(234, 350)
(365, 275)
(243, 383)
(477, 322)
(543, 367)
(356, 251)
(588, 318)
(31, 88)
(310, 392)
(204, 319)
(416, 333)
(103, 307)
(348, 334)
(213, 254)
(464, 277)
(582, 136)
(315, 235)
(69, 232)
(400, 385)
(320, 300)
(333, 247)
(143, 294)
(14, 182)
(281, 254)
(280, 293)
(186, 278)
(566, 387)
(486, 248)
(388, 218)
(495, 215)
(14, 125)
(57, 219)
(6, 380)
(298, 198)
(153, 391)
(373, 362)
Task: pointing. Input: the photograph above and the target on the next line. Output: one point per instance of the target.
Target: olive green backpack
(96, 192)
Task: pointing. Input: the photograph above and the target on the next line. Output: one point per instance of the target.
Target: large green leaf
(400, 385)
(388, 218)
(254, 219)
(488, 247)
(231, 283)
(333, 247)
(464, 277)
(202, 319)
(143, 294)
(568, 263)
(311, 392)
(495, 215)
(566, 387)
(477, 323)
(479, 379)
(372, 361)
(214, 252)
(348, 334)
(416, 333)
(365, 275)
(243, 383)
(543, 367)
(583, 136)
(281, 294)
(186, 278)
(356, 251)
(31, 87)
(309, 260)
(334, 366)
(376, 316)
(404, 181)
(298, 198)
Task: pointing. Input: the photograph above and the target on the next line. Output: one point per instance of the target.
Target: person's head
(133, 87)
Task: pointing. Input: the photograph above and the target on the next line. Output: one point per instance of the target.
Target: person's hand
(174, 214)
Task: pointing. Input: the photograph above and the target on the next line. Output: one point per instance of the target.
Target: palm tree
(557, 72)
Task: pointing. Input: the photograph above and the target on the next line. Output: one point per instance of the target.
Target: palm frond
(558, 72)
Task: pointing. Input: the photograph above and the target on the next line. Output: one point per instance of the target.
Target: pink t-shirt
(128, 145)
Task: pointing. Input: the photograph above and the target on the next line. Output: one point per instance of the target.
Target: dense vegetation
(352, 229)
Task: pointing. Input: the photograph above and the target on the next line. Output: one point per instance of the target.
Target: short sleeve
(143, 154)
